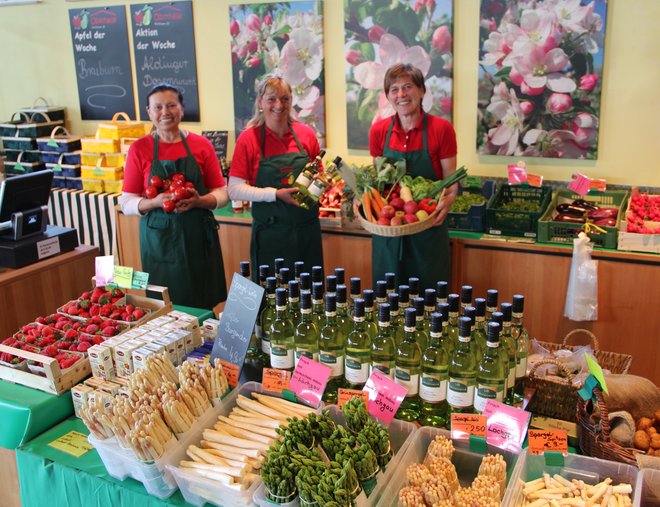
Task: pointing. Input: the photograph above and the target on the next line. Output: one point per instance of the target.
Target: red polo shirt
(441, 139)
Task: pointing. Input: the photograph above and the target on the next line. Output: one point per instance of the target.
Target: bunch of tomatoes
(176, 186)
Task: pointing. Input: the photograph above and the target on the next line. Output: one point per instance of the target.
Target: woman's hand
(287, 195)
(207, 201)
(444, 205)
(145, 205)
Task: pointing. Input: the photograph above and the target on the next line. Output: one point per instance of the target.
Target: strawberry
(86, 338)
(30, 339)
(138, 313)
(117, 293)
(71, 334)
(63, 345)
(94, 298)
(116, 315)
(91, 329)
(47, 331)
(83, 346)
(73, 311)
(94, 310)
(97, 339)
(109, 331)
(85, 304)
(50, 351)
(129, 308)
(85, 295)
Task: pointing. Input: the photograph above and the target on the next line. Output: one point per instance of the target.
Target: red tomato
(179, 177)
(168, 206)
(174, 185)
(151, 192)
(156, 181)
(181, 193)
(190, 185)
(166, 184)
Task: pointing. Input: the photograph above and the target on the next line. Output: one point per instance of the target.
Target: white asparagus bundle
(194, 396)
(177, 415)
(440, 447)
(547, 491)
(95, 421)
(149, 437)
(494, 464)
(211, 377)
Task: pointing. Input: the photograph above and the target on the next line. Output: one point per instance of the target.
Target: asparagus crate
(466, 462)
(515, 210)
(551, 231)
(582, 468)
(474, 219)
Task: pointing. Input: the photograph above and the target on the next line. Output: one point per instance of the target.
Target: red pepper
(428, 205)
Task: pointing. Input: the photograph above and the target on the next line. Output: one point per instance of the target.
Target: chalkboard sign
(237, 321)
(218, 139)
(164, 45)
(103, 64)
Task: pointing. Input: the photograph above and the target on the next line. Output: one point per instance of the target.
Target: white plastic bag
(582, 292)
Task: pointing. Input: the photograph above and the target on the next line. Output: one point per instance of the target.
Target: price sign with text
(517, 174)
(580, 184)
(123, 276)
(541, 441)
(464, 425)
(73, 443)
(599, 185)
(534, 180)
(506, 426)
(231, 372)
(309, 380)
(343, 395)
(275, 380)
(385, 396)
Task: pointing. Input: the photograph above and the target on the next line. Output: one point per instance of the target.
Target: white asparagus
(241, 433)
(223, 438)
(264, 423)
(223, 469)
(224, 479)
(244, 402)
(267, 432)
(250, 453)
(289, 406)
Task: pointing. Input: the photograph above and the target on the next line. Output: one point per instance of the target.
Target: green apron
(280, 229)
(181, 250)
(425, 254)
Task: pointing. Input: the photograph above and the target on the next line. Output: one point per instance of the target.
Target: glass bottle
(340, 275)
(306, 176)
(258, 329)
(317, 274)
(282, 343)
(462, 372)
(421, 324)
(298, 268)
(413, 283)
(355, 289)
(507, 344)
(331, 285)
(253, 363)
(443, 310)
(453, 300)
(294, 302)
(441, 291)
(380, 293)
(404, 298)
(390, 281)
(408, 365)
(244, 269)
(263, 274)
(396, 320)
(332, 343)
(433, 381)
(370, 315)
(343, 318)
(429, 308)
(492, 296)
(307, 332)
(268, 316)
(521, 337)
(358, 349)
(322, 182)
(305, 281)
(383, 349)
(285, 278)
(278, 264)
(480, 323)
(318, 308)
(478, 336)
(466, 297)
(492, 371)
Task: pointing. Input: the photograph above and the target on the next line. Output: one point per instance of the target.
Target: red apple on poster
(76, 21)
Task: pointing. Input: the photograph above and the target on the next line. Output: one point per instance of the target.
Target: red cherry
(150, 192)
(168, 206)
(156, 181)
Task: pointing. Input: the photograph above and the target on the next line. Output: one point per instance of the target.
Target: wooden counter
(40, 288)
(628, 283)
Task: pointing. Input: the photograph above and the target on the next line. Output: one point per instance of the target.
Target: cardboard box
(112, 388)
(140, 356)
(100, 359)
(93, 382)
(169, 344)
(79, 395)
(124, 358)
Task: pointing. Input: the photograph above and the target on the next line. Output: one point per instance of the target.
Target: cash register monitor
(24, 204)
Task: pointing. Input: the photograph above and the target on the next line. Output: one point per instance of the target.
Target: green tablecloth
(51, 477)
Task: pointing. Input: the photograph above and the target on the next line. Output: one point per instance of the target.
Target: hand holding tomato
(190, 202)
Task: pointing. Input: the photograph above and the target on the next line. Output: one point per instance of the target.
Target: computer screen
(24, 192)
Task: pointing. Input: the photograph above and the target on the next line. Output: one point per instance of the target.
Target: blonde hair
(269, 81)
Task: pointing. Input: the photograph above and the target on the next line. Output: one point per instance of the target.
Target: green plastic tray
(501, 221)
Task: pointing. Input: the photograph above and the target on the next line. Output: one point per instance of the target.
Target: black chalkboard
(237, 321)
(103, 64)
(218, 139)
(164, 48)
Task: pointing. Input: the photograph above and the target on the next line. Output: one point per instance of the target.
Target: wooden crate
(55, 382)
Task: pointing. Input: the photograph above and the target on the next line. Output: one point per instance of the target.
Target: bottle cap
(381, 289)
(279, 264)
(464, 326)
(441, 289)
(429, 297)
(358, 307)
(393, 300)
(471, 313)
(341, 293)
(305, 299)
(330, 303)
(518, 303)
(337, 161)
(505, 308)
(436, 322)
(384, 312)
(340, 274)
(480, 305)
(280, 296)
(317, 290)
(418, 305)
(321, 154)
(413, 283)
(331, 283)
(404, 294)
(263, 272)
(294, 289)
(298, 267)
(410, 317)
(245, 269)
(285, 276)
(390, 279)
(443, 309)
(356, 286)
(493, 332)
(454, 302)
(491, 298)
(271, 284)
(305, 281)
(317, 274)
(466, 294)
(368, 296)
(497, 317)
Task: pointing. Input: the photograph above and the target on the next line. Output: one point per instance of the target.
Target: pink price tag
(580, 184)
(385, 396)
(309, 380)
(506, 426)
(517, 174)
(104, 270)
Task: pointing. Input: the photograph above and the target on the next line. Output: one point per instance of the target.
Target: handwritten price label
(123, 276)
(343, 395)
(534, 180)
(275, 380)
(464, 425)
(580, 184)
(231, 372)
(599, 185)
(547, 440)
(385, 396)
(309, 380)
(73, 443)
(506, 426)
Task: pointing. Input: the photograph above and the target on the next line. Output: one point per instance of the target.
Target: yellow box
(93, 185)
(107, 159)
(116, 129)
(101, 172)
(113, 187)
(96, 145)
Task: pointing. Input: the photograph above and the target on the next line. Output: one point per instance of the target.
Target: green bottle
(258, 329)
(343, 318)
(421, 324)
(282, 342)
(478, 336)
(278, 264)
(268, 315)
(317, 274)
(454, 305)
(355, 289)
(491, 303)
(383, 348)
(332, 343)
(370, 315)
(294, 302)
(307, 332)
(480, 324)
(404, 298)
(390, 282)
(509, 346)
(441, 291)
(253, 364)
(298, 269)
(413, 283)
(318, 308)
(358, 349)
(408, 366)
(380, 293)
(492, 371)
(285, 277)
(466, 297)
(462, 372)
(429, 308)
(433, 381)
(521, 337)
(305, 281)
(396, 319)
(443, 310)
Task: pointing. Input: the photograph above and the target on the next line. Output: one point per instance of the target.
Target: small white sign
(48, 247)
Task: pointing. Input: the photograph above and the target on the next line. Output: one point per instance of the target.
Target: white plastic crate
(647, 493)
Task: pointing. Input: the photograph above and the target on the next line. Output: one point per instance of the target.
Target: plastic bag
(582, 292)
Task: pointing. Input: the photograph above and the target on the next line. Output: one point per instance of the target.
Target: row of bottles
(451, 353)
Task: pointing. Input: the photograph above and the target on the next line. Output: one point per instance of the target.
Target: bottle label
(281, 357)
(258, 332)
(317, 188)
(304, 179)
(385, 369)
(307, 353)
(409, 329)
(521, 367)
(485, 392)
(335, 362)
(265, 344)
(404, 378)
(460, 393)
(432, 389)
(356, 371)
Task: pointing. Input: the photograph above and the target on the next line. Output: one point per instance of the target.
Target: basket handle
(36, 102)
(45, 115)
(594, 340)
(21, 114)
(57, 129)
(20, 156)
(569, 376)
(122, 115)
(59, 160)
(604, 414)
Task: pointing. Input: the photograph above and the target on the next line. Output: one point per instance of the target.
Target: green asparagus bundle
(321, 426)
(378, 439)
(339, 439)
(362, 457)
(310, 469)
(332, 489)
(278, 474)
(296, 432)
(355, 413)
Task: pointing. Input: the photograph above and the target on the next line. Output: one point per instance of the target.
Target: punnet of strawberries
(86, 309)
(64, 359)
(644, 208)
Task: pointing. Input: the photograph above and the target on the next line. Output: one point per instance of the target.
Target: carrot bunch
(372, 204)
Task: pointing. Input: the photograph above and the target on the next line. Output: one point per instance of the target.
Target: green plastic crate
(501, 221)
(475, 218)
(563, 232)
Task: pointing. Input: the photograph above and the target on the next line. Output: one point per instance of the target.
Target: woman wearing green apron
(428, 144)
(269, 155)
(179, 249)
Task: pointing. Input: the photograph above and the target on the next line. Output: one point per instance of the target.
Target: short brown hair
(403, 70)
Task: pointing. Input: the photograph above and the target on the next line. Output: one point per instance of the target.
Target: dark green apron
(280, 229)
(181, 250)
(425, 254)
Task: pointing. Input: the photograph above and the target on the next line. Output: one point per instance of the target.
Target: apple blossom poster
(284, 38)
(540, 77)
(381, 33)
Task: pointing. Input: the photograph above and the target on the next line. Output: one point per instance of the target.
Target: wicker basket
(555, 396)
(594, 437)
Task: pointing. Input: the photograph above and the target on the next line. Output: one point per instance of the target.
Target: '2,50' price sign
(464, 425)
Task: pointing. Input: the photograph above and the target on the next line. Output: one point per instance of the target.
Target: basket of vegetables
(393, 203)
(468, 212)
(516, 209)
